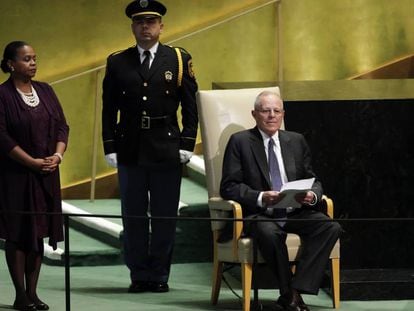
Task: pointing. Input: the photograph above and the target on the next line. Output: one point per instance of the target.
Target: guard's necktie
(276, 179)
(146, 63)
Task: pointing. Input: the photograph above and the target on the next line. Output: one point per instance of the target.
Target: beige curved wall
(322, 40)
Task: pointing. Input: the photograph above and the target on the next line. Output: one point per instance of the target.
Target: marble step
(190, 235)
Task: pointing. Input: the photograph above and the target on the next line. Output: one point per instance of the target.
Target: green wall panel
(236, 51)
(78, 97)
(329, 40)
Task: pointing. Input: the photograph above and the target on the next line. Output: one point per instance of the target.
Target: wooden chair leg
(335, 282)
(217, 276)
(246, 270)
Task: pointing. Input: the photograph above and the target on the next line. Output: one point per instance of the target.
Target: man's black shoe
(139, 287)
(292, 302)
(287, 304)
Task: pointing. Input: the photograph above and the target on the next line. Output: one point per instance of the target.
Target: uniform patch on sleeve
(191, 69)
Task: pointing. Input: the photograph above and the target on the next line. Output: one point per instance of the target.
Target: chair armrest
(219, 204)
(328, 206)
(219, 208)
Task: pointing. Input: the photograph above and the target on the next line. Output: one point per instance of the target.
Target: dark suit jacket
(246, 172)
(134, 94)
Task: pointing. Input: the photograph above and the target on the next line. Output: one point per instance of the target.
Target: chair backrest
(222, 113)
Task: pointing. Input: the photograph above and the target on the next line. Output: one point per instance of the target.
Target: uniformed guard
(145, 85)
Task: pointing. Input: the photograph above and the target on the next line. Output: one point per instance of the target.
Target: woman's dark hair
(10, 53)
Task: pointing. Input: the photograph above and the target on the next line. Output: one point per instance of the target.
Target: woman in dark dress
(33, 138)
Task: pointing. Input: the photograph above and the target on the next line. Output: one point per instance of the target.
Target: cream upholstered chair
(222, 113)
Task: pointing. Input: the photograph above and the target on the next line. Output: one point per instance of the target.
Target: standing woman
(33, 138)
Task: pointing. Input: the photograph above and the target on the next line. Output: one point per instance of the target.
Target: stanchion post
(67, 263)
(256, 305)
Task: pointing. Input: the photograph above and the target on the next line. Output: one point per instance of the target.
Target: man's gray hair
(258, 100)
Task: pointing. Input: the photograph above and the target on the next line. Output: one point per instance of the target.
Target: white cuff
(185, 156)
(111, 159)
(259, 199)
(315, 199)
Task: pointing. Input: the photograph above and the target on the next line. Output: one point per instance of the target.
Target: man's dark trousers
(317, 238)
(155, 190)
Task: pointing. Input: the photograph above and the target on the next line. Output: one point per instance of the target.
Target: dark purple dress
(37, 131)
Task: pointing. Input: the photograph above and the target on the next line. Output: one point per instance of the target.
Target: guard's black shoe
(139, 287)
(159, 287)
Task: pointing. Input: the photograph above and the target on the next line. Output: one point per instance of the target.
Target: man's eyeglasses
(277, 112)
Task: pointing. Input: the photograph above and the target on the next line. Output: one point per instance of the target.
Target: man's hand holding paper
(271, 197)
(305, 198)
(292, 194)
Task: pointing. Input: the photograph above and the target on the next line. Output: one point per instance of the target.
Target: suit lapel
(135, 60)
(158, 60)
(142, 72)
(259, 154)
(288, 155)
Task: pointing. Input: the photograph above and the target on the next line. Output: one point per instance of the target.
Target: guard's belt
(148, 122)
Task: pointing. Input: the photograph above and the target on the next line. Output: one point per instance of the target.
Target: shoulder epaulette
(120, 51)
(116, 53)
(183, 50)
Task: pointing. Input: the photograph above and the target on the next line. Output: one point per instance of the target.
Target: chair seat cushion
(245, 249)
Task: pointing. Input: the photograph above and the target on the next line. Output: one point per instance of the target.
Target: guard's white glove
(111, 159)
(185, 156)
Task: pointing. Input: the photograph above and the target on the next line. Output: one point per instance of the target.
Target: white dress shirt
(152, 50)
(278, 153)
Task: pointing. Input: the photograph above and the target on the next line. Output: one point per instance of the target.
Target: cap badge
(143, 3)
(168, 76)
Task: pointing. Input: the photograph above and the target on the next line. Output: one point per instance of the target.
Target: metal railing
(66, 216)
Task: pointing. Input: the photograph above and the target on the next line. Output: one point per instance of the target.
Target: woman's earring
(12, 68)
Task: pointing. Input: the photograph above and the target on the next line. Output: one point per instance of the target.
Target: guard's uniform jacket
(146, 132)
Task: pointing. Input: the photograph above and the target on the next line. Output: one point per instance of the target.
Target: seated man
(256, 164)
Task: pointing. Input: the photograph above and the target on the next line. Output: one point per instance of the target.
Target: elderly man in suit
(257, 162)
(142, 90)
